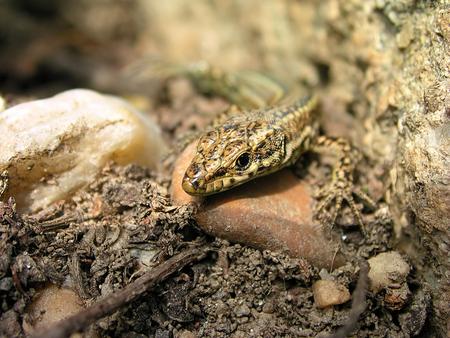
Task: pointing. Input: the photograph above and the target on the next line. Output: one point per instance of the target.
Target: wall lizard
(261, 135)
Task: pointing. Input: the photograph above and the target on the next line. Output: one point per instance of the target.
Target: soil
(123, 223)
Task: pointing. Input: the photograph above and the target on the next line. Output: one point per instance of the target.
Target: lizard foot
(3, 182)
(334, 194)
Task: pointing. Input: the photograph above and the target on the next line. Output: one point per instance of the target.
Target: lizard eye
(243, 161)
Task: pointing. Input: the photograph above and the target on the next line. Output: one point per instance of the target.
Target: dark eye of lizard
(243, 161)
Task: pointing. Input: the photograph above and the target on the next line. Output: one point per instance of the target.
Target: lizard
(260, 134)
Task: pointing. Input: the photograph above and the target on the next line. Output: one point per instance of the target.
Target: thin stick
(358, 303)
(131, 292)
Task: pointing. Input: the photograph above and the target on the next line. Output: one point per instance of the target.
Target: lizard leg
(341, 187)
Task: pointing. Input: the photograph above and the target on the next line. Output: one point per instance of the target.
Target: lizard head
(233, 154)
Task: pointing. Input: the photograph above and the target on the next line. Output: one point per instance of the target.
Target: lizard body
(263, 138)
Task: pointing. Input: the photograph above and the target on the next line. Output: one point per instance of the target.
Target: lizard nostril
(195, 182)
(192, 185)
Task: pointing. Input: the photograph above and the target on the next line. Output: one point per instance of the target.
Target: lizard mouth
(198, 187)
(193, 185)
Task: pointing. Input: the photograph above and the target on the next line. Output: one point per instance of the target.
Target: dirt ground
(102, 237)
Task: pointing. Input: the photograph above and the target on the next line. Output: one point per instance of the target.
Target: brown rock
(51, 305)
(272, 212)
(178, 194)
(328, 293)
(396, 299)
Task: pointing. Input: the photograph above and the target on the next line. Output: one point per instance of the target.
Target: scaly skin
(249, 145)
(259, 140)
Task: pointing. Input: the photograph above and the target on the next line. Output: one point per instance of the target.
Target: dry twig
(131, 292)
(358, 303)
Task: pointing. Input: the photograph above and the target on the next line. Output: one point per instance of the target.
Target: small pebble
(328, 293)
(242, 310)
(272, 212)
(50, 305)
(268, 307)
(387, 269)
(6, 283)
(388, 272)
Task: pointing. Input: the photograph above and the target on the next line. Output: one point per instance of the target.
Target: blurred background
(49, 45)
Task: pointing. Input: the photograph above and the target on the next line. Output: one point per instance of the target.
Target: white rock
(54, 146)
(328, 293)
(387, 269)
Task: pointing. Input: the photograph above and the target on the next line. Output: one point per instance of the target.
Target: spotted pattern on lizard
(249, 143)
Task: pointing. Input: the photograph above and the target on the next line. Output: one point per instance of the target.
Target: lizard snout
(192, 185)
(193, 182)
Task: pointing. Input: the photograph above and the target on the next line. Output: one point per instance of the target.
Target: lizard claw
(339, 190)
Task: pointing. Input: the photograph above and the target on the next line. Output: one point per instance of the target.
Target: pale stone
(52, 147)
(328, 293)
(387, 269)
(50, 305)
(272, 212)
(388, 272)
